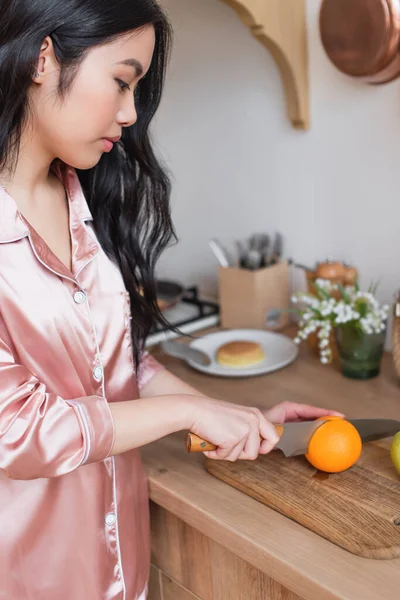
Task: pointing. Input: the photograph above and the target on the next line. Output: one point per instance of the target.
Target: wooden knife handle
(194, 443)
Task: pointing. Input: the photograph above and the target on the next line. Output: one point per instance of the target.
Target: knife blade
(375, 429)
(295, 437)
(185, 352)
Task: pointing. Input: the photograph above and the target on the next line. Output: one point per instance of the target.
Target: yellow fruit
(335, 446)
(395, 451)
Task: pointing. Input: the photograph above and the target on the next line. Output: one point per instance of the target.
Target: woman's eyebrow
(133, 62)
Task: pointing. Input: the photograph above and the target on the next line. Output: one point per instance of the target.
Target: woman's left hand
(291, 411)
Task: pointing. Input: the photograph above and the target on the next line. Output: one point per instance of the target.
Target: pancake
(239, 354)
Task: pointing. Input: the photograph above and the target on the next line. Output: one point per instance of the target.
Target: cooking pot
(169, 293)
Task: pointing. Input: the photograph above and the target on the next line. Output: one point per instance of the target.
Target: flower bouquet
(356, 320)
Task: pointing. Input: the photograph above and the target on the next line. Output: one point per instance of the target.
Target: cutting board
(358, 510)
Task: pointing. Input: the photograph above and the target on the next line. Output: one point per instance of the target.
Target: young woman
(84, 215)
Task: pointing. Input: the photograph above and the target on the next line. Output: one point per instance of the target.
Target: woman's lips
(109, 142)
(108, 145)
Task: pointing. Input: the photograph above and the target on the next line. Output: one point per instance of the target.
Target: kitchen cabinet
(193, 561)
(280, 25)
(212, 542)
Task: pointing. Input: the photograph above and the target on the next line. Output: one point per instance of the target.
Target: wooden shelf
(280, 25)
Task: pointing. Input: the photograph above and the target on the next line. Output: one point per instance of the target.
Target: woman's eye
(122, 84)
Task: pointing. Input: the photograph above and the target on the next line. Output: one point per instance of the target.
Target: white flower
(326, 285)
(321, 314)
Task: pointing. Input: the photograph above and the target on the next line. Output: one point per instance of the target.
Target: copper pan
(362, 37)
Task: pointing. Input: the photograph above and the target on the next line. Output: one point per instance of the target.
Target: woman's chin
(83, 163)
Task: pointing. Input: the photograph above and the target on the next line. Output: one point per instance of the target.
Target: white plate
(279, 350)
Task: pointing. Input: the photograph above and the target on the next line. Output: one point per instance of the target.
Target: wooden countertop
(300, 560)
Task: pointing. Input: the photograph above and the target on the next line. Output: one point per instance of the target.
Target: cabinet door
(192, 566)
(162, 587)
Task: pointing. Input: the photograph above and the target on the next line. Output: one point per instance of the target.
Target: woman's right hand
(233, 428)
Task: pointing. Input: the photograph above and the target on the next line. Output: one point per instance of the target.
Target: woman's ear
(46, 62)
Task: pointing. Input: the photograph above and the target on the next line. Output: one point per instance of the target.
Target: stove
(190, 314)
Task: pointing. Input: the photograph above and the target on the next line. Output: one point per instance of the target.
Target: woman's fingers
(231, 454)
(266, 447)
(268, 432)
(245, 432)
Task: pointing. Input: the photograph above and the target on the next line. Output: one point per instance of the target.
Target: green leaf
(323, 293)
(373, 287)
(343, 293)
(295, 311)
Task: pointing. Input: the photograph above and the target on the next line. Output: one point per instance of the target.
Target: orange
(335, 446)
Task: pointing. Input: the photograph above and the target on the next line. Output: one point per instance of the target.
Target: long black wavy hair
(128, 191)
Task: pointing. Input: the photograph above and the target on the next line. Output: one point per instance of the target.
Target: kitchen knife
(185, 352)
(277, 249)
(295, 437)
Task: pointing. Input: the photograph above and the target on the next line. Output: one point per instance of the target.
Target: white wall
(239, 167)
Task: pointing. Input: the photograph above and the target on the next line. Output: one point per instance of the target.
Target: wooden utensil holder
(254, 299)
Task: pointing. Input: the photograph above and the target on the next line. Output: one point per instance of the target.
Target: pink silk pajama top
(74, 522)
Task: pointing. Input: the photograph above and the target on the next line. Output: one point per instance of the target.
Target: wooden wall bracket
(280, 25)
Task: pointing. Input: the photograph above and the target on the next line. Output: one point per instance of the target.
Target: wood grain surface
(357, 510)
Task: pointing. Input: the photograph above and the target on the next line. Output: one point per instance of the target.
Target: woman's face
(99, 103)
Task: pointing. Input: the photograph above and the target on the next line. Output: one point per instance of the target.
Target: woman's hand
(235, 429)
(290, 411)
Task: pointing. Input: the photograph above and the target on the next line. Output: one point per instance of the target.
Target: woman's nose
(127, 114)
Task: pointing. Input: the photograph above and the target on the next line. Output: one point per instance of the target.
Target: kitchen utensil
(168, 293)
(350, 275)
(362, 37)
(279, 350)
(258, 240)
(253, 253)
(331, 270)
(265, 255)
(220, 253)
(253, 260)
(258, 243)
(358, 510)
(186, 352)
(295, 437)
(277, 249)
(242, 248)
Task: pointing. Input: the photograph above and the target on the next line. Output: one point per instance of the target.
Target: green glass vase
(360, 354)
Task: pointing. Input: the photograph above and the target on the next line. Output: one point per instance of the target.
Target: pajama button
(79, 297)
(110, 519)
(98, 373)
